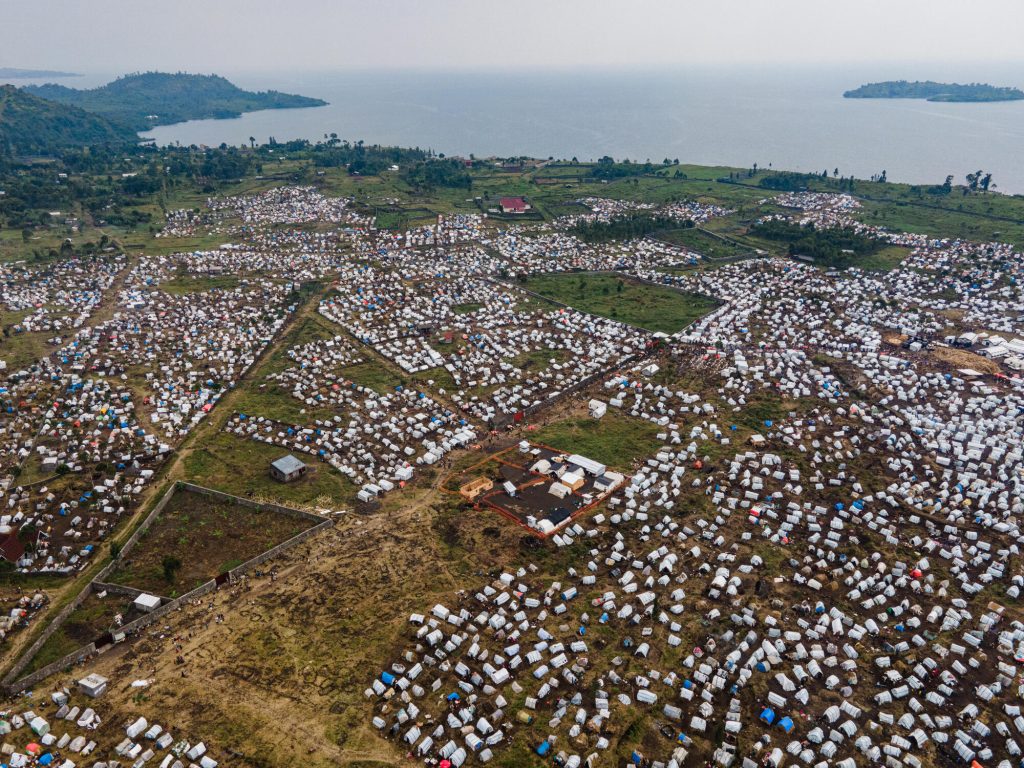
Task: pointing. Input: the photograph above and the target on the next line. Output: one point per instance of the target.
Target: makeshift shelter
(287, 468)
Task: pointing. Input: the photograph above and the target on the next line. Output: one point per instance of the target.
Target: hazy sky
(239, 35)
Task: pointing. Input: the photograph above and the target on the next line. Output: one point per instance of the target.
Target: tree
(947, 185)
(171, 566)
(986, 181)
(252, 142)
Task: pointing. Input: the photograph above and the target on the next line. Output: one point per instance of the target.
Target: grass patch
(885, 260)
(654, 307)
(615, 440)
(371, 375)
(87, 622)
(705, 244)
(274, 402)
(239, 466)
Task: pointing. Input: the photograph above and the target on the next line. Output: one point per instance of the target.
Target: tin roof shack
(287, 468)
(475, 488)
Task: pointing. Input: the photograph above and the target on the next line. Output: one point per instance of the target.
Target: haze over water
(789, 118)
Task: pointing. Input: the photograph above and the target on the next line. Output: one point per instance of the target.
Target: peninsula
(142, 101)
(14, 73)
(932, 91)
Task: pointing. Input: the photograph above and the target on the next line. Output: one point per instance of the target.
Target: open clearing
(615, 440)
(654, 307)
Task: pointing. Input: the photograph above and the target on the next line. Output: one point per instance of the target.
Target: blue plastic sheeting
(768, 716)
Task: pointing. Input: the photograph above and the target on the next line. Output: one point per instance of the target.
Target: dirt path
(172, 470)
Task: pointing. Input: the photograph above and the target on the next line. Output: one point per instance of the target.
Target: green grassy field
(615, 440)
(884, 260)
(706, 244)
(654, 307)
(240, 466)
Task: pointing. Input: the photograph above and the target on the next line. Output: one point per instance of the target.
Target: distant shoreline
(14, 73)
(936, 92)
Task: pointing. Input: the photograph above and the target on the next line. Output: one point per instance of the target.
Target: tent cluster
(86, 429)
(287, 205)
(525, 250)
(873, 661)
(499, 358)
(57, 296)
(18, 612)
(81, 742)
(818, 585)
(96, 418)
(605, 209)
(450, 229)
(373, 438)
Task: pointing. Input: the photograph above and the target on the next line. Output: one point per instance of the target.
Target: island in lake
(932, 91)
(142, 101)
(14, 73)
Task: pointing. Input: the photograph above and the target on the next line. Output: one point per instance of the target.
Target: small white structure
(93, 685)
(597, 409)
(147, 603)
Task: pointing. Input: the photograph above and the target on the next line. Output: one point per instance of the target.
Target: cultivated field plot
(197, 538)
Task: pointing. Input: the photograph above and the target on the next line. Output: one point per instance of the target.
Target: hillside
(932, 91)
(30, 125)
(145, 100)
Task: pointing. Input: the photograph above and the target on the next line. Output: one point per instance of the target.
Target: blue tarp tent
(786, 724)
(767, 716)
(543, 748)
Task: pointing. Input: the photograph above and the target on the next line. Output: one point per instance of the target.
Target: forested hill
(932, 91)
(33, 126)
(142, 101)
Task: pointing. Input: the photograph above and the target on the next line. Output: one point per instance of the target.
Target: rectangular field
(197, 538)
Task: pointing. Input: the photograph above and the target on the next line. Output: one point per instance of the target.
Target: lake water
(790, 118)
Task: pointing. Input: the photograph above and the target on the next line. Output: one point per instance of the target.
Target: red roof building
(11, 548)
(513, 205)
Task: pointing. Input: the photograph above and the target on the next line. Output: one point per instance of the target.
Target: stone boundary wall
(13, 685)
(117, 589)
(70, 660)
(309, 533)
(257, 505)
